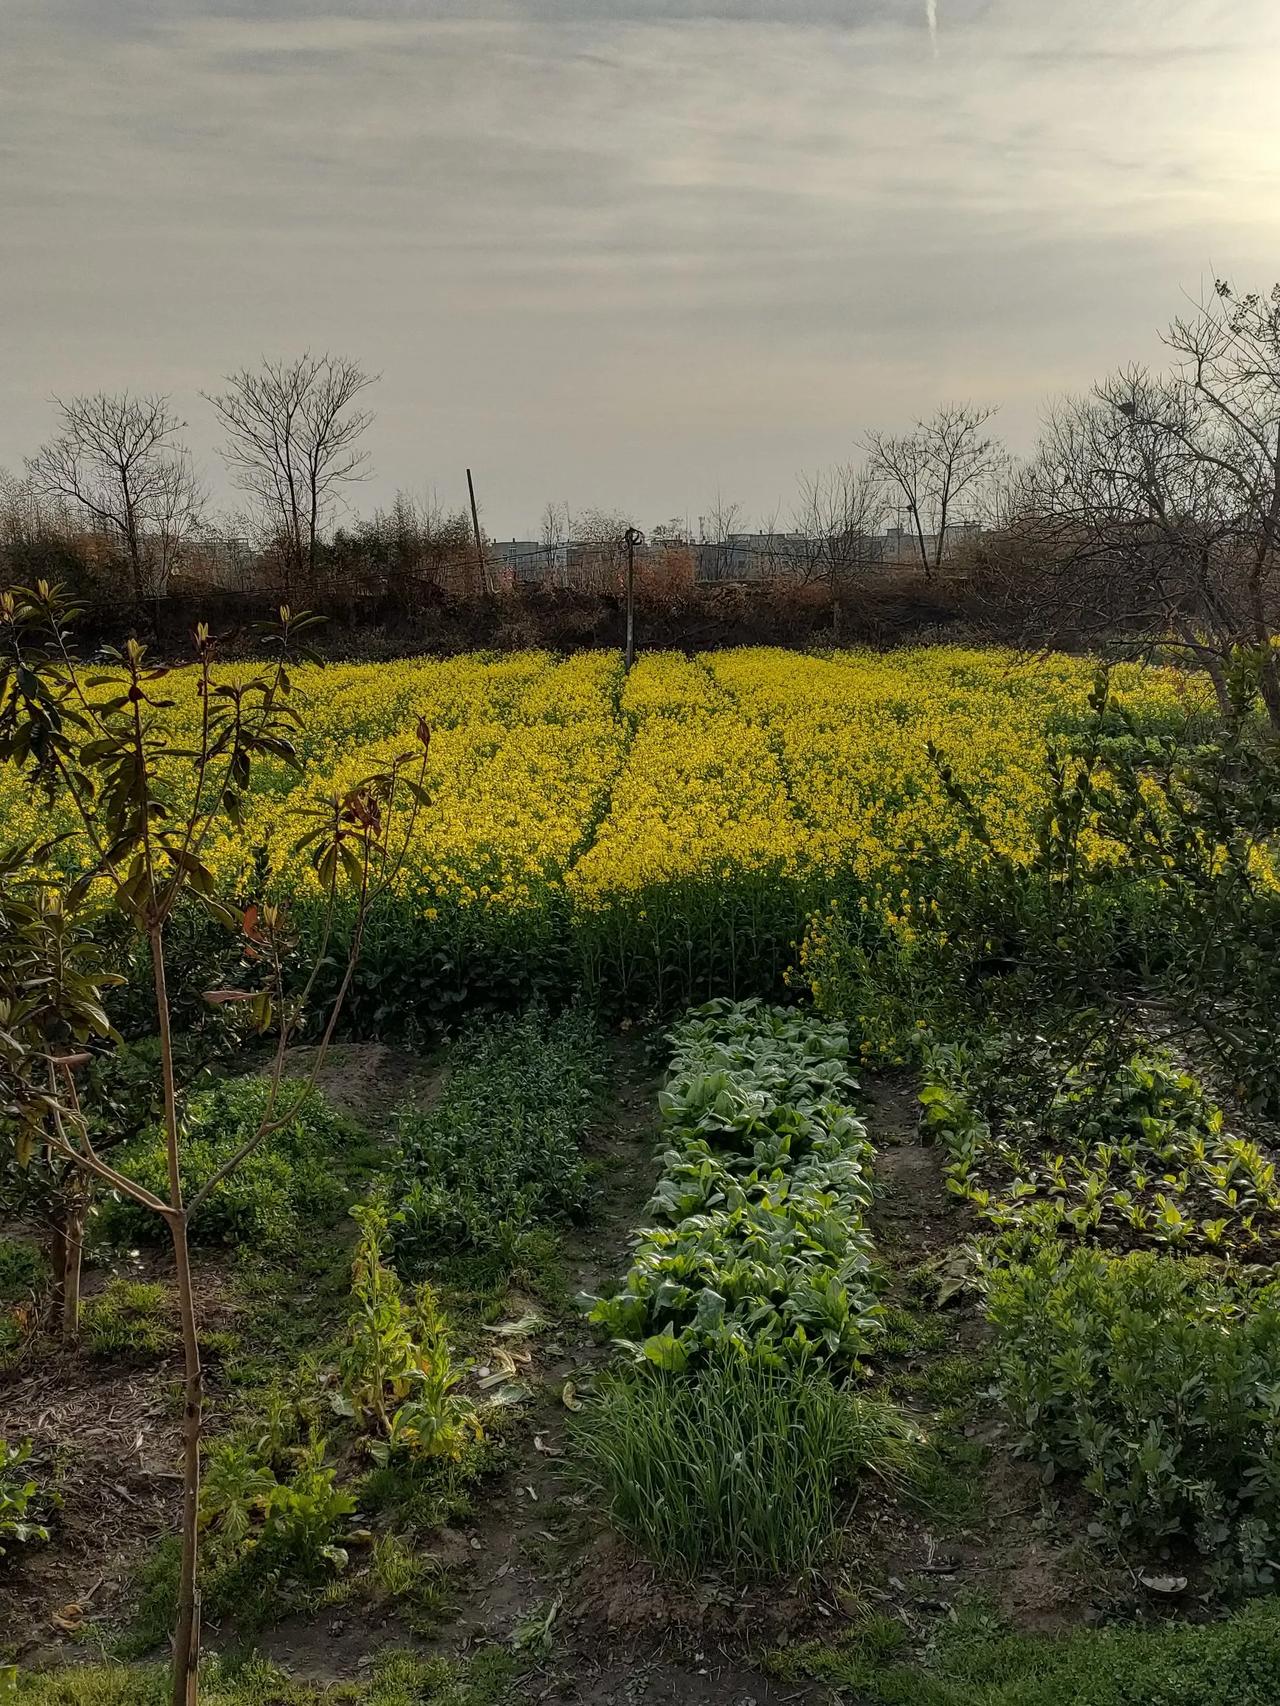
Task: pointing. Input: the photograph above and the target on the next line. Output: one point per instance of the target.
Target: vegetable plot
(757, 1240)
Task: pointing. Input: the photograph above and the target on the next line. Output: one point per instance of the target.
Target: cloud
(624, 253)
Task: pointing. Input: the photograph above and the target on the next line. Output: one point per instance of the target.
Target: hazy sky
(623, 252)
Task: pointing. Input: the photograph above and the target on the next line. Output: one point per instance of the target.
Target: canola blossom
(666, 833)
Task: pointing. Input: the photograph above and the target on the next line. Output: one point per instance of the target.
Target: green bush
(759, 1241)
(295, 1174)
(739, 1468)
(1119, 1147)
(123, 1092)
(128, 1319)
(500, 1152)
(19, 1497)
(23, 1272)
(24, 1277)
(1158, 1379)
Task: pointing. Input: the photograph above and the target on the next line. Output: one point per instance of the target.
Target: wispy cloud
(632, 253)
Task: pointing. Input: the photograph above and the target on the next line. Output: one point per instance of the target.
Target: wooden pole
(631, 537)
(481, 566)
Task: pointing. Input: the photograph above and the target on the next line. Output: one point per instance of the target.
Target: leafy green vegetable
(1118, 1150)
(1156, 1378)
(500, 1152)
(758, 1239)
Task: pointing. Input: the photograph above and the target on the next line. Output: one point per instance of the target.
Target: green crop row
(1119, 1149)
(756, 1238)
(498, 1155)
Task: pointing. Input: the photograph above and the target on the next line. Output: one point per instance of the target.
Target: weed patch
(484, 1678)
(129, 1320)
(294, 1176)
(976, 1662)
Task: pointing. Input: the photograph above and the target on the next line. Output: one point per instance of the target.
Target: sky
(637, 254)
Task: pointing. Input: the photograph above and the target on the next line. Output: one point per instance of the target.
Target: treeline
(1146, 518)
(114, 507)
(1150, 510)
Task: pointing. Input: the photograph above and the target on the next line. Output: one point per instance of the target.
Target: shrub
(500, 1153)
(294, 1174)
(739, 1468)
(129, 1319)
(24, 1279)
(1158, 1379)
(19, 1497)
(760, 1242)
(23, 1274)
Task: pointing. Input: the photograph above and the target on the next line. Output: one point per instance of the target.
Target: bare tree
(1152, 508)
(557, 529)
(25, 513)
(117, 459)
(557, 524)
(1121, 533)
(600, 536)
(942, 463)
(839, 517)
(293, 431)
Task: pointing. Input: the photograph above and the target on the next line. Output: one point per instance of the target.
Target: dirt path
(981, 1527)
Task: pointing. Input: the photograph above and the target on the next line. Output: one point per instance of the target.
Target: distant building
(750, 556)
(530, 561)
(902, 546)
(597, 565)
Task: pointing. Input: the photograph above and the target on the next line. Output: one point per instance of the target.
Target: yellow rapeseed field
(678, 823)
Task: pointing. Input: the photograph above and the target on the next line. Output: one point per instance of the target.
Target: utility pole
(631, 539)
(481, 566)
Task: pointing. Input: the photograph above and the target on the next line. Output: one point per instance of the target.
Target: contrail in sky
(931, 13)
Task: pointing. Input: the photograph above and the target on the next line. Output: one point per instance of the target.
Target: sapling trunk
(72, 1238)
(186, 1631)
(64, 1246)
(56, 1248)
(186, 1634)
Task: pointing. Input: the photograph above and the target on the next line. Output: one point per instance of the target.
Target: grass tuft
(130, 1320)
(974, 1661)
(742, 1469)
